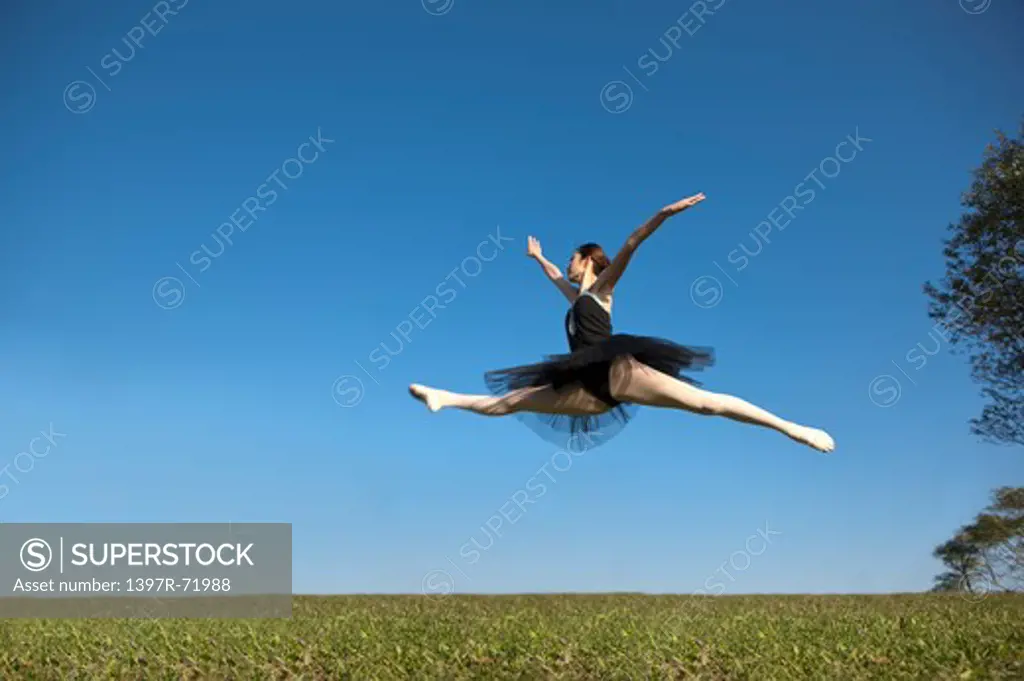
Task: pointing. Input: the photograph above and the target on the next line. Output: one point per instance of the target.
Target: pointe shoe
(427, 396)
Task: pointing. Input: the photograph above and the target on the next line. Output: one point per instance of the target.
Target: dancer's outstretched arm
(610, 276)
(551, 270)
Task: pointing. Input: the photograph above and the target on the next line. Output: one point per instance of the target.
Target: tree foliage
(988, 554)
(980, 300)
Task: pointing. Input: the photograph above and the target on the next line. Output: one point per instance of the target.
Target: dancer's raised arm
(610, 276)
(550, 269)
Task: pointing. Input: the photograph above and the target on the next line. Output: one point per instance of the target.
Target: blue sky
(451, 123)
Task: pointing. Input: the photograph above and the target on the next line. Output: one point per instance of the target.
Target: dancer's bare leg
(634, 382)
(542, 400)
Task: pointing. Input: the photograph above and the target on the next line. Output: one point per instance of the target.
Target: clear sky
(443, 125)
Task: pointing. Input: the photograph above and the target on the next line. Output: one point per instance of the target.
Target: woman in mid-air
(605, 373)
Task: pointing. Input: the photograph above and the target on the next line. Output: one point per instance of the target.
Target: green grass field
(838, 638)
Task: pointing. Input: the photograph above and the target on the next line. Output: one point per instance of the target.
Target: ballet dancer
(586, 390)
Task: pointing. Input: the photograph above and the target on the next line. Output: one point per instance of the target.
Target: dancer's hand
(533, 248)
(680, 206)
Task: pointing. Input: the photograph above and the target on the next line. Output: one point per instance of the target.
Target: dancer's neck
(588, 280)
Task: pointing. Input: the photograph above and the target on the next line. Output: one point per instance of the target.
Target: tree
(980, 300)
(988, 554)
(999, 536)
(963, 563)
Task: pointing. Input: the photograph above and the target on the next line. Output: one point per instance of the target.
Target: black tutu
(589, 367)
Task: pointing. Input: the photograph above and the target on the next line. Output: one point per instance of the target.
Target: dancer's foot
(813, 437)
(428, 396)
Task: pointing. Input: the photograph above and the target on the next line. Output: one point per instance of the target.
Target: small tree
(998, 534)
(964, 566)
(988, 554)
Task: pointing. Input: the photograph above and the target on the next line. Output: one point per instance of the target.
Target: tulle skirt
(589, 367)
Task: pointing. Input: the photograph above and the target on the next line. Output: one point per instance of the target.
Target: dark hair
(596, 255)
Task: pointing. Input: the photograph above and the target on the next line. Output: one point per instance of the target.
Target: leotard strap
(605, 304)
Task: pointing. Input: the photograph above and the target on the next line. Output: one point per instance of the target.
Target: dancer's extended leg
(542, 400)
(634, 382)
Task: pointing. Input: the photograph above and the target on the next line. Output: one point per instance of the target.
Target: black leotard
(594, 348)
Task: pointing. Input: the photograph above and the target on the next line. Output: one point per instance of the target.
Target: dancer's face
(577, 266)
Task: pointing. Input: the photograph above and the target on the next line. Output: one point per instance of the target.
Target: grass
(933, 637)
